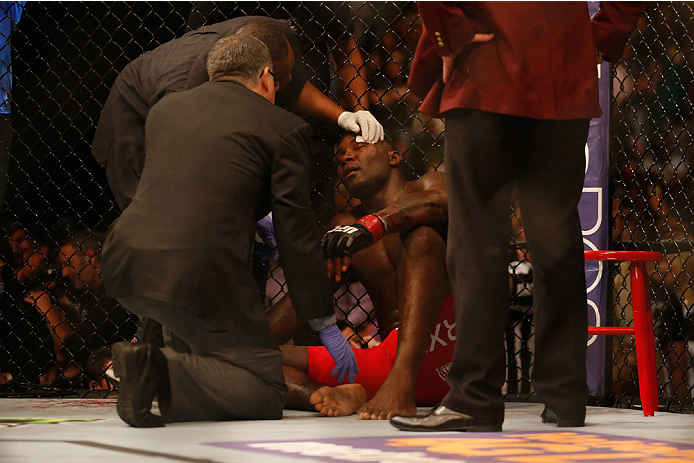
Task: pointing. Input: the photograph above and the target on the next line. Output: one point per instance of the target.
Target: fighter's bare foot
(389, 401)
(340, 400)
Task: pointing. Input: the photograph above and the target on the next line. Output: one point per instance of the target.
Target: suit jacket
(119, 141)
(219, 157)
(541, 62)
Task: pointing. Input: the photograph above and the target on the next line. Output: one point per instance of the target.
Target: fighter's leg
(422, 286)
(295, 357)
(299, 385)
(342, 400)
(304, 393)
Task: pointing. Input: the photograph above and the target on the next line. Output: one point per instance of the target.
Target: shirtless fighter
(394, 243)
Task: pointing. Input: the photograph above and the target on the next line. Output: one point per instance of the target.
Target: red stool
(642, 329)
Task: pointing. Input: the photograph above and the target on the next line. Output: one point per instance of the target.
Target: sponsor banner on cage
(595, 223)
(530, 447)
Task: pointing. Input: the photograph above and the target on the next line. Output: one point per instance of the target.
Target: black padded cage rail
(65, 57)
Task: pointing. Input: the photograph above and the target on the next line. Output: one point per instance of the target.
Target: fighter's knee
(424, 241)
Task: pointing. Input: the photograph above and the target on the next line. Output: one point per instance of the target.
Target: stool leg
(643, 336)
(648, 318)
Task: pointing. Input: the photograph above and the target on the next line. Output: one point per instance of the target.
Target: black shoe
(548, 416)
(441, 418)
(132, 364)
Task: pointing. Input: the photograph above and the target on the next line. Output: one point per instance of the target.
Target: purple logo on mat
(523, 447)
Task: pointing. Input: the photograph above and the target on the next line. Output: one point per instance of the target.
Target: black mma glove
(347, 240)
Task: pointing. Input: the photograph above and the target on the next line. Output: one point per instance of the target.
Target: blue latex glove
(339, 349)
(266, 231)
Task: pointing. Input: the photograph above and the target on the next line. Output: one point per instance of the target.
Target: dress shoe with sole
(441, 418)
(132, 364)
(548, 416)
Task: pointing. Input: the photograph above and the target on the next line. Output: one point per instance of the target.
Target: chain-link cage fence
(56, 323)
(653, 192)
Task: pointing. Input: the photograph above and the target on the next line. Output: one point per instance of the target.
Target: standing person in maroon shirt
(517, 83)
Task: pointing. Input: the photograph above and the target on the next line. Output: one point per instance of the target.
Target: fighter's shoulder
(428, 181)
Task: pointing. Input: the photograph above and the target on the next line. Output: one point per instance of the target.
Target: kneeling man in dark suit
(218, 158)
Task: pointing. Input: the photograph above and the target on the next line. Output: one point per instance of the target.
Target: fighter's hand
(346, 240)
(339, 349)
(362, 122)
(449, 60)
(337, 266)
(342, 242)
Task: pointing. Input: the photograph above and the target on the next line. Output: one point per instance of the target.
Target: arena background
(66, 55)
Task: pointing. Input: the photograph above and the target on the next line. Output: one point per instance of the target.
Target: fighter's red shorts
(375, 363)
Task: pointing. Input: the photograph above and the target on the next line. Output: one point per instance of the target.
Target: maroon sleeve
(612, 26)
(447, 25)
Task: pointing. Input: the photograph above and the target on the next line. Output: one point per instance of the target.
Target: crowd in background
(653, 186)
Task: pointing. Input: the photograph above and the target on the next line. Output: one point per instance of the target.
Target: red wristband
(374, 224)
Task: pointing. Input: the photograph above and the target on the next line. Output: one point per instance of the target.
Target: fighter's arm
(426, 203)
(283, 320)
(282, 317)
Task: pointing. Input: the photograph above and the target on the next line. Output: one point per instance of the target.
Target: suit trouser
(486, 155)
(209, 384)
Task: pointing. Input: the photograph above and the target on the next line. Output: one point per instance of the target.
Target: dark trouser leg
(209, 384)
(480, 161)
(550, 182)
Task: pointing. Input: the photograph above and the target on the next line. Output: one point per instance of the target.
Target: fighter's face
(362, 167)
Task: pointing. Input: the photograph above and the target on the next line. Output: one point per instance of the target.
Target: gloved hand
(347, 240)
(339, 350)
(364, 122)
(266, 231)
